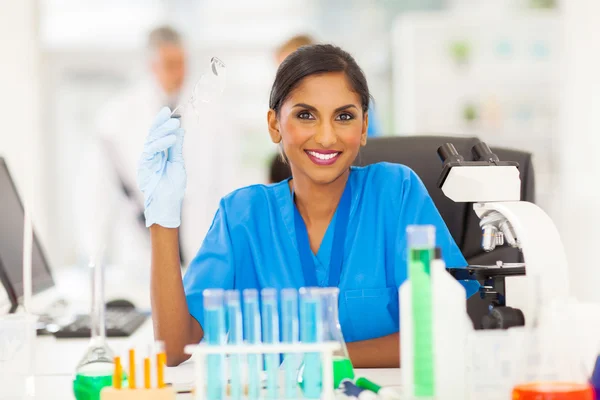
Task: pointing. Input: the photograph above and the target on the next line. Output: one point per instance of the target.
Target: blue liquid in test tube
(234, 323)
(252, 329)
(270, 329)
(311, 331)
(289, 334)
(214, 334)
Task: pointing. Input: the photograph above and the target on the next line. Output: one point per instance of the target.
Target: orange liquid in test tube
(131, 369)
(160, 370)
(118, 374)
(147, 373)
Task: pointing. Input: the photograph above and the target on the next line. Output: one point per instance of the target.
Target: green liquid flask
(342, 369)
(91, 380)
(95, 370)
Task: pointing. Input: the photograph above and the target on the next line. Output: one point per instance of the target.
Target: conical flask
(551, 367)
(95, 369)
(332, 331)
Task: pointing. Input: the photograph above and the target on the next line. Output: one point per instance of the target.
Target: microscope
(494, 188)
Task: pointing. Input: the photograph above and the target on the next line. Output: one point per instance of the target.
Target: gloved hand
(161, 177)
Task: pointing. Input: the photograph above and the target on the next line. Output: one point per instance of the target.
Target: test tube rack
(133, 392)
(110, 393)
(199, 353)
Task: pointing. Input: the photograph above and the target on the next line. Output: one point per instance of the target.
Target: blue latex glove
(161, 176)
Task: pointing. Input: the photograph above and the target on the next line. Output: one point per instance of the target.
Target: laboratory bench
(56, 360)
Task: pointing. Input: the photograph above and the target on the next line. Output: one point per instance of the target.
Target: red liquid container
(553, 391)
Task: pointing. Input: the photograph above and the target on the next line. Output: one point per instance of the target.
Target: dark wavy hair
(313, 60)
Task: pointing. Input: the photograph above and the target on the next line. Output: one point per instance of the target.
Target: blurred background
(521, 74)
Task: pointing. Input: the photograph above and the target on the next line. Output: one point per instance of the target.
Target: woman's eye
(305, 115)
(345, 117)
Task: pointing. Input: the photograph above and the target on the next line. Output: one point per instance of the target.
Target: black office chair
(420, 154)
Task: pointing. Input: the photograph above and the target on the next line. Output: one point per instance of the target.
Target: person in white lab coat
(109, 210)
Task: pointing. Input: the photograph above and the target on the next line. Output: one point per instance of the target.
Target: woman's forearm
(383, 352)
(173, 323)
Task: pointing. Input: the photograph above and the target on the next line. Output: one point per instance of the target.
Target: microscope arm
(543, 254)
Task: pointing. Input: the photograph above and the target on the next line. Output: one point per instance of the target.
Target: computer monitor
(12, 215)
(8, 300)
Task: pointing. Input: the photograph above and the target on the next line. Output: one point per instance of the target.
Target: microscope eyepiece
(482, 152)
(448, 153)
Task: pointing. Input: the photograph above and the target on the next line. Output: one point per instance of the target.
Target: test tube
(234, 324)
(252, 329)
(421, 249)
(147, 367)
(118, 374)
(160, 355)
(270, 329)
(132, 372)
(289, 334)
(214, 335)
(311, 331)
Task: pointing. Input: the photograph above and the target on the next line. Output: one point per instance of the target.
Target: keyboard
(120, 322)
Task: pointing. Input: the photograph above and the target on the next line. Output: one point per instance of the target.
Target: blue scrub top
(252, 244)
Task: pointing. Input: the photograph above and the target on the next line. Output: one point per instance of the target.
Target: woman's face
(322, 127)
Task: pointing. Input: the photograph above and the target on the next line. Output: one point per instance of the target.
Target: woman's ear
(365, 129)
(273, 124)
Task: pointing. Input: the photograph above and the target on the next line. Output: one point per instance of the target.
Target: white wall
(21, 139)
(579, 141)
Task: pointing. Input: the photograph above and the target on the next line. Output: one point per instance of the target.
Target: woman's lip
(323, 151)
(320, 161)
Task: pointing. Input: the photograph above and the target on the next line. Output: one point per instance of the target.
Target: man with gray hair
(107, 189)
(168, 59)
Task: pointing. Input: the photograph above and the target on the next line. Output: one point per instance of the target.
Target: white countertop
(56, 360)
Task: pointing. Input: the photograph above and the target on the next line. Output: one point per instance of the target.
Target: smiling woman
(319, 111)
(330, 224)
(322, 119)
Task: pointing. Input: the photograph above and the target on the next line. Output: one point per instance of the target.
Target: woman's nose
(326, 136)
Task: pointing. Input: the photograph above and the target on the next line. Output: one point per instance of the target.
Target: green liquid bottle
(421, 242)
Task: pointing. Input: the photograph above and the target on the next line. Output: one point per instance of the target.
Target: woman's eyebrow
(312, 108)
(347, 106)
(304, 105)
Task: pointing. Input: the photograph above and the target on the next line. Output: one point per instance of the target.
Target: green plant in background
(542, 3)
(470, 112)
(460, 51)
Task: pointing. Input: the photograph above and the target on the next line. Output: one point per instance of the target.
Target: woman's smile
(323, 157)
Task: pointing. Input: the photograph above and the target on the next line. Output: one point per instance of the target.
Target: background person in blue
(329, 225)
